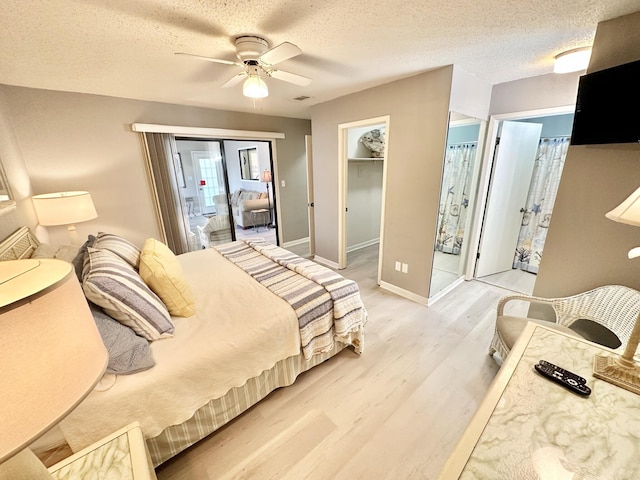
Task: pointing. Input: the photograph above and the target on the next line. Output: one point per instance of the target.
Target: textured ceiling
(125, 48)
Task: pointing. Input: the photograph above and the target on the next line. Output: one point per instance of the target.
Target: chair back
(615, 306)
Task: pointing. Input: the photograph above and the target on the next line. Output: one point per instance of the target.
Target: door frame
(310, 195)
(343, 165)
(485, 174)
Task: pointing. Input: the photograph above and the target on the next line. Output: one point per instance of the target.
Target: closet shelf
(365, 158)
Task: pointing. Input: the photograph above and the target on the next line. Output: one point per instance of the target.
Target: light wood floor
(395, 412)
(515, 280)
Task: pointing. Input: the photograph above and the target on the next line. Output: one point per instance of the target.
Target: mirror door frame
(223, 134)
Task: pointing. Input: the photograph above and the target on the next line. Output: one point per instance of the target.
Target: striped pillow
(115, 286)
(118, 245)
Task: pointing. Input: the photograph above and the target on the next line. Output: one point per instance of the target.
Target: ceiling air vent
(301, 98)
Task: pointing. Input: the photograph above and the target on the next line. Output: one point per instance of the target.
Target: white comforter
(240, 329)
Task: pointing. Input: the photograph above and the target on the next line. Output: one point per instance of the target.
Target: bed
(251, 334)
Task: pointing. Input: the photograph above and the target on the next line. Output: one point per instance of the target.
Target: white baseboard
(325, 262)
(358, 246)
(293, 243)
(444, 291)
(404, 293)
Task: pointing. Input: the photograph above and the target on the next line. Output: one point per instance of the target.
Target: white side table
(122, 455)
(264, 213)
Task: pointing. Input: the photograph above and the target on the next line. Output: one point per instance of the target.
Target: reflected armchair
(217, 230)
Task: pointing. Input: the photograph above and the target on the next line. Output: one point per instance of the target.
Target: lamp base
(610, 370)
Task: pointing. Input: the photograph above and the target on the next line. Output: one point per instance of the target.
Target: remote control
(565, 373)
(564, 377)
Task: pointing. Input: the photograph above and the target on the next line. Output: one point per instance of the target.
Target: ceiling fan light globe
(254, 87)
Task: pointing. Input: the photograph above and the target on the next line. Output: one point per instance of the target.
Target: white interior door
(510, 181)
(209, 172)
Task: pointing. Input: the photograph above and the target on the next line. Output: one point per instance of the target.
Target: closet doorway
(363, 147)
(523, 167)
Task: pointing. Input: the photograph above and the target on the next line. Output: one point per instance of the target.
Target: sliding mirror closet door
(202, 184)
(457, 191)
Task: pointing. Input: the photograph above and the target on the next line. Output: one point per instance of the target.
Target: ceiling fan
(255, 59)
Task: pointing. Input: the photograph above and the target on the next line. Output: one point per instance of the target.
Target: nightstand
(122, 455)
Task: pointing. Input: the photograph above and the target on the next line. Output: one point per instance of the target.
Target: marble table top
(540, 430)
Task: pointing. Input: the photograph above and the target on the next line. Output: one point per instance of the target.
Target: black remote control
(564, 377)
(565, 373)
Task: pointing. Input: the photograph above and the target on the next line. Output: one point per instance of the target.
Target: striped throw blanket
(328, 306)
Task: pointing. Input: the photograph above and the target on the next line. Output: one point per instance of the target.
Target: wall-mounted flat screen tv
(608, 106)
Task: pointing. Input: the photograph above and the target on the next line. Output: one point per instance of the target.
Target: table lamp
(266, 178)
(622, 370)
(51, 356)
(64, 208)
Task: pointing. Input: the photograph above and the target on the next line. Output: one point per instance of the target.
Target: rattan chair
(613, 306)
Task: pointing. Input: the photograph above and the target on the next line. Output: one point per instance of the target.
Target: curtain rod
(212, 132)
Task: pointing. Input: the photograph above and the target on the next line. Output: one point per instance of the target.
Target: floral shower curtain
(542, 194)
(454, 197)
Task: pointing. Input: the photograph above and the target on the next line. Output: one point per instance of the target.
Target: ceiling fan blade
(209, 59)
(236, 79)
(278, 54)
(290, 77)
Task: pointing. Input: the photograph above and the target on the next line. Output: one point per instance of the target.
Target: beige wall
(583, 248)
(535, 93)
(68, 141)
(418, 109)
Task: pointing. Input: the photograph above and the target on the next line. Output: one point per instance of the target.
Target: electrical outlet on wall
(282, 183)
(405, 268)
(398, 266)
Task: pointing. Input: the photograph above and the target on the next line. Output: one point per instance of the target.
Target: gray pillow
(78, 261)
(128, 353)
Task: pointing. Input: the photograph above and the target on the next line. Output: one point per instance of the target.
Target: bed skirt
(221, 411)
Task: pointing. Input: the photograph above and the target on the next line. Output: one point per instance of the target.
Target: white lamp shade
(266, 176)
(572, 60)
(628, 211)
(64, 208)
(50, 350)
(254, 87)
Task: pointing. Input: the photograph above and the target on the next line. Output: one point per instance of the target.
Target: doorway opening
(523, 167)
(363, 155)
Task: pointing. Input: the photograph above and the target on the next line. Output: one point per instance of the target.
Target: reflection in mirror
(249, 167)
(457, 190)
(6, 200)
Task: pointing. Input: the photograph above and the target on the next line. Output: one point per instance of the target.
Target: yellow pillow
(160, 270)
